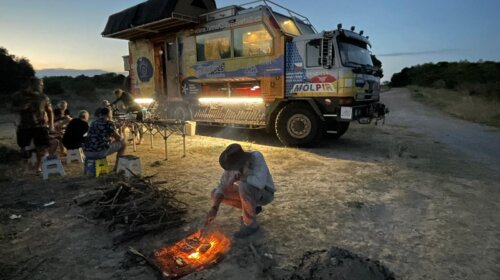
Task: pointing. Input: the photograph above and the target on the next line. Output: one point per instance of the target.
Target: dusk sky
(66, 34)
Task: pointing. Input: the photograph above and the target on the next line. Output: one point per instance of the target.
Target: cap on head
(233, 157)
(118, 91)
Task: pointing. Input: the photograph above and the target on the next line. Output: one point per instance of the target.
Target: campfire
(194, 253)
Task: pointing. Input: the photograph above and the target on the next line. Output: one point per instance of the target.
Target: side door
(172, 70)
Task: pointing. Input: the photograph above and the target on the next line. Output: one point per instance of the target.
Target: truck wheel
(297, 125)
(179, 112)
(340, 129)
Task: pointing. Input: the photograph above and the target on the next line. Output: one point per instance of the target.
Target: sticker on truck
(312, 89)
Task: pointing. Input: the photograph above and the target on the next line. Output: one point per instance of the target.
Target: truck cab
(334, 72)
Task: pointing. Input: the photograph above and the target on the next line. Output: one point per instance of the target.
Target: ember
(194, 253)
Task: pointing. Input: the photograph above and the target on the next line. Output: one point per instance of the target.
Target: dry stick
(148, 261)
(86, 219)
(113, 199)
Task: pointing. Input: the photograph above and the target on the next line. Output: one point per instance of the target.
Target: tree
(376, 62)
(14, 72)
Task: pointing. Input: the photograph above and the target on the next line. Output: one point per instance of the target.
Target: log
(88, 197)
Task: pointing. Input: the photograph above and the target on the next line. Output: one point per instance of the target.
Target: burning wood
(136, 207)
(194, 253)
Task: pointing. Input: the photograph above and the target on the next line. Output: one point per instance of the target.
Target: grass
(460, 104)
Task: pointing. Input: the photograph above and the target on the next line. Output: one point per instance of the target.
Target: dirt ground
(425, 205)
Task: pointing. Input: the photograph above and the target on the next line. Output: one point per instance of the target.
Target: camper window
(214, 46)
(313, 50)
(287, 24)
(253, 40)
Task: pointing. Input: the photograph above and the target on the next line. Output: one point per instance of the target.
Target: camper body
(254, 67)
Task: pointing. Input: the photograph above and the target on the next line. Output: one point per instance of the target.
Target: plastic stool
(130, 165)
(52, 166)
(76, 154)
(96, 167)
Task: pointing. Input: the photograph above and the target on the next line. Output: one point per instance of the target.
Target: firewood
(136, 207)
(87, 197)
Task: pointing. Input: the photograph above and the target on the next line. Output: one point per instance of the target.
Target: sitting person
(61, 119)
(104, 104)
(74, 135)
(61, 112)
(103, 139)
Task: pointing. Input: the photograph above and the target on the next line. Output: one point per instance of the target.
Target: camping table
(165, 128)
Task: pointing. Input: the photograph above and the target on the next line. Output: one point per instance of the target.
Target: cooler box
(190, 128)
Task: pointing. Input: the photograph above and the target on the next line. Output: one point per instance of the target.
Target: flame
(192, 253)
(195, 255)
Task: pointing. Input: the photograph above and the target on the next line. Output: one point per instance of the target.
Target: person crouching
(246, 184)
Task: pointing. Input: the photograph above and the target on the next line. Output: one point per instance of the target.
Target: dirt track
(414, 194)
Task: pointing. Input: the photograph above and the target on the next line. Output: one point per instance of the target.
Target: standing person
(103, 139)
(74, 136)
(36, 121)
(246, 184)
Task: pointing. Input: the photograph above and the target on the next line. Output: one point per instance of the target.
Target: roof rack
(277, 7)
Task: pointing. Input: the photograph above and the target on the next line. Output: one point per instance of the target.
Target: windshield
(354, 53)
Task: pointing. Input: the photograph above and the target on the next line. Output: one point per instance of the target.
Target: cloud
(444, 51)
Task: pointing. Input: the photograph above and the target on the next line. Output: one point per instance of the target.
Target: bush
(53, 86)
(83, 85)
(481, 78)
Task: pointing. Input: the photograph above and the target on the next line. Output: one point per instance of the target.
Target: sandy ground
(420, 194)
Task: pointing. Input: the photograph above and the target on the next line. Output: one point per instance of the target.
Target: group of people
(246, 182)
(42, 129)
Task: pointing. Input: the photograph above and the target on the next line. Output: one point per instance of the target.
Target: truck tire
(297, 125)
(179, 111)
(340, 128)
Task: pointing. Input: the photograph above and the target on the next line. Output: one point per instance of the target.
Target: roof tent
(155, 16)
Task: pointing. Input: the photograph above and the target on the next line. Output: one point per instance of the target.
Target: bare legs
(120, 152)
(40, 153)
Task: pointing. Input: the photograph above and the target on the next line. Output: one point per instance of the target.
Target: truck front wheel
(297, 125)
(335, 129)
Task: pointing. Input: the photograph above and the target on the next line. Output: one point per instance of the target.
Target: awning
(155, 16)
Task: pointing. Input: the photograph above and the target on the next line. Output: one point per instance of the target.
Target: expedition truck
(257, 65)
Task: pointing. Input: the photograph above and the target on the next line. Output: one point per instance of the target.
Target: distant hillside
(480, 78)
(68, 72)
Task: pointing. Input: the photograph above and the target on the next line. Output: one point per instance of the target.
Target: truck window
(313, 53)
(213, 46)
(287, 24)
(252, 41)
